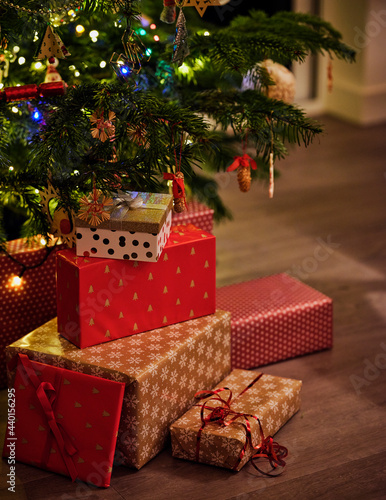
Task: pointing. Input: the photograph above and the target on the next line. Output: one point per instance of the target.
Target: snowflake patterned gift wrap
(162, 370)
(102, 299)
(65, 421)
(31, 303)
(131, 234)
(273, 400)
(275, 318)
(197, 214)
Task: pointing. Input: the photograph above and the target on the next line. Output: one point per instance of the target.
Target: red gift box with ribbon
(101, 299)
(235, 422)
(29, 301)
(63, 421)
(275, 318)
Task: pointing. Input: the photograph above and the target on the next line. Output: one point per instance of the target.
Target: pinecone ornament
(179, 203)
(244, 178)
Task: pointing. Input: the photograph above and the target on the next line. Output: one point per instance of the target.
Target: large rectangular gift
(101, 299)
(29, 301)
(275, 318)
(197, 214)
(63, 421)
(132, 231)
(162, 370)
(206, 434)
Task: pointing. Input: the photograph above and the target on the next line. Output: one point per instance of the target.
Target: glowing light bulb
(21, 60)
(16, 281)
(36, 115)
(43, 242)
(153, 26)
(148, 52)
(38, 65)
(10, 169)
(14, 109)
(16, 49)
(102, 64)
(94, 34)
(76, 172)
(72, 67)
(76, 73)
(206, 33)
(71, 13)
(142, 32)
(156, 38)
(79, 29)
(1, 85)
(184, 69)
(36, 191)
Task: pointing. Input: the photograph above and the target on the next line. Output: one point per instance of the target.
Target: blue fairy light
(36, 115)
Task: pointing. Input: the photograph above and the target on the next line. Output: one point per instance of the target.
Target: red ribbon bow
(267, 448)
(242, 161)
(178, 185)
(46, 395)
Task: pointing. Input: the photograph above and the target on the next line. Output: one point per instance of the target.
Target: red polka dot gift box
(29, 301)
(275, 318)
(104, 299)
(135, 227)
(63, 421)
(197, 214)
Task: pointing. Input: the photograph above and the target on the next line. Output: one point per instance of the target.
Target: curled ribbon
(242, 161)
(46, 395)
(223, 415)
(178, 185)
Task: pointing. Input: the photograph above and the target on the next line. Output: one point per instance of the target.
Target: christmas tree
(142, 99)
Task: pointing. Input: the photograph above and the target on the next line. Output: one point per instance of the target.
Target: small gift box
(162, 370)
(137, 227)
(63, 421)
(237, 421)
(275, 318)
(197, 214)
(29, 301)
(101, 299)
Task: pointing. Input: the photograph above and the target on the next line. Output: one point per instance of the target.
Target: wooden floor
(333, 192)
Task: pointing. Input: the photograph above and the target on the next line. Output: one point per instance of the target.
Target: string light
(21, 60)
(206, 33)
(148, 52)
(142, 32)
(43, 242)
(14, 109)
(16, 281)
(153, 26)
(76, 73)
(79, 29)
(10, 169)
(102, 64)
(38, 65)
(36, 115)
(156, 38)
(16, 49)
(94, 34)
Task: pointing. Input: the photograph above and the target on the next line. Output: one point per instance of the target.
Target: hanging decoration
(93, 207)
(104, 129)
(202, 5)
(129, 63)
(181, 48)
(52, 74)
(33, 91)
(168, 14)
(61, 221)
(51, 45)
(330, 80)
(178, 180)
(138, 134)
(243, 164)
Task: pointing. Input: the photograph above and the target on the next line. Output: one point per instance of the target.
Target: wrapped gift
(215, 430)
(275, 318)
(132, 231)
(29, 301)
(197, 214)
(162, 370)
(101, 299)
(63, 421)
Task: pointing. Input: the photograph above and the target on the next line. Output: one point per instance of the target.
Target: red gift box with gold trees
(63, 421)
(104, 299)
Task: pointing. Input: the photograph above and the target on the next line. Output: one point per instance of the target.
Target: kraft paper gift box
(138, 234)
(162, 370)
(63, 421)
(273, 400)
(101, 300)
(275, 318)
(197, 214)
(31, 303)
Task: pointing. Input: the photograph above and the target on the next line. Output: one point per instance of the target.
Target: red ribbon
(33, 91)
(267, 447)
(178, 185)
(242, 161)
(46, 394)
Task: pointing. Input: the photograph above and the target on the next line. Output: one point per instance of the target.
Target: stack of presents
(144, 347)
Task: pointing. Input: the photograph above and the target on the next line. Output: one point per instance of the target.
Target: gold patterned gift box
(273, 400)
(129, 233)
(162, 370)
